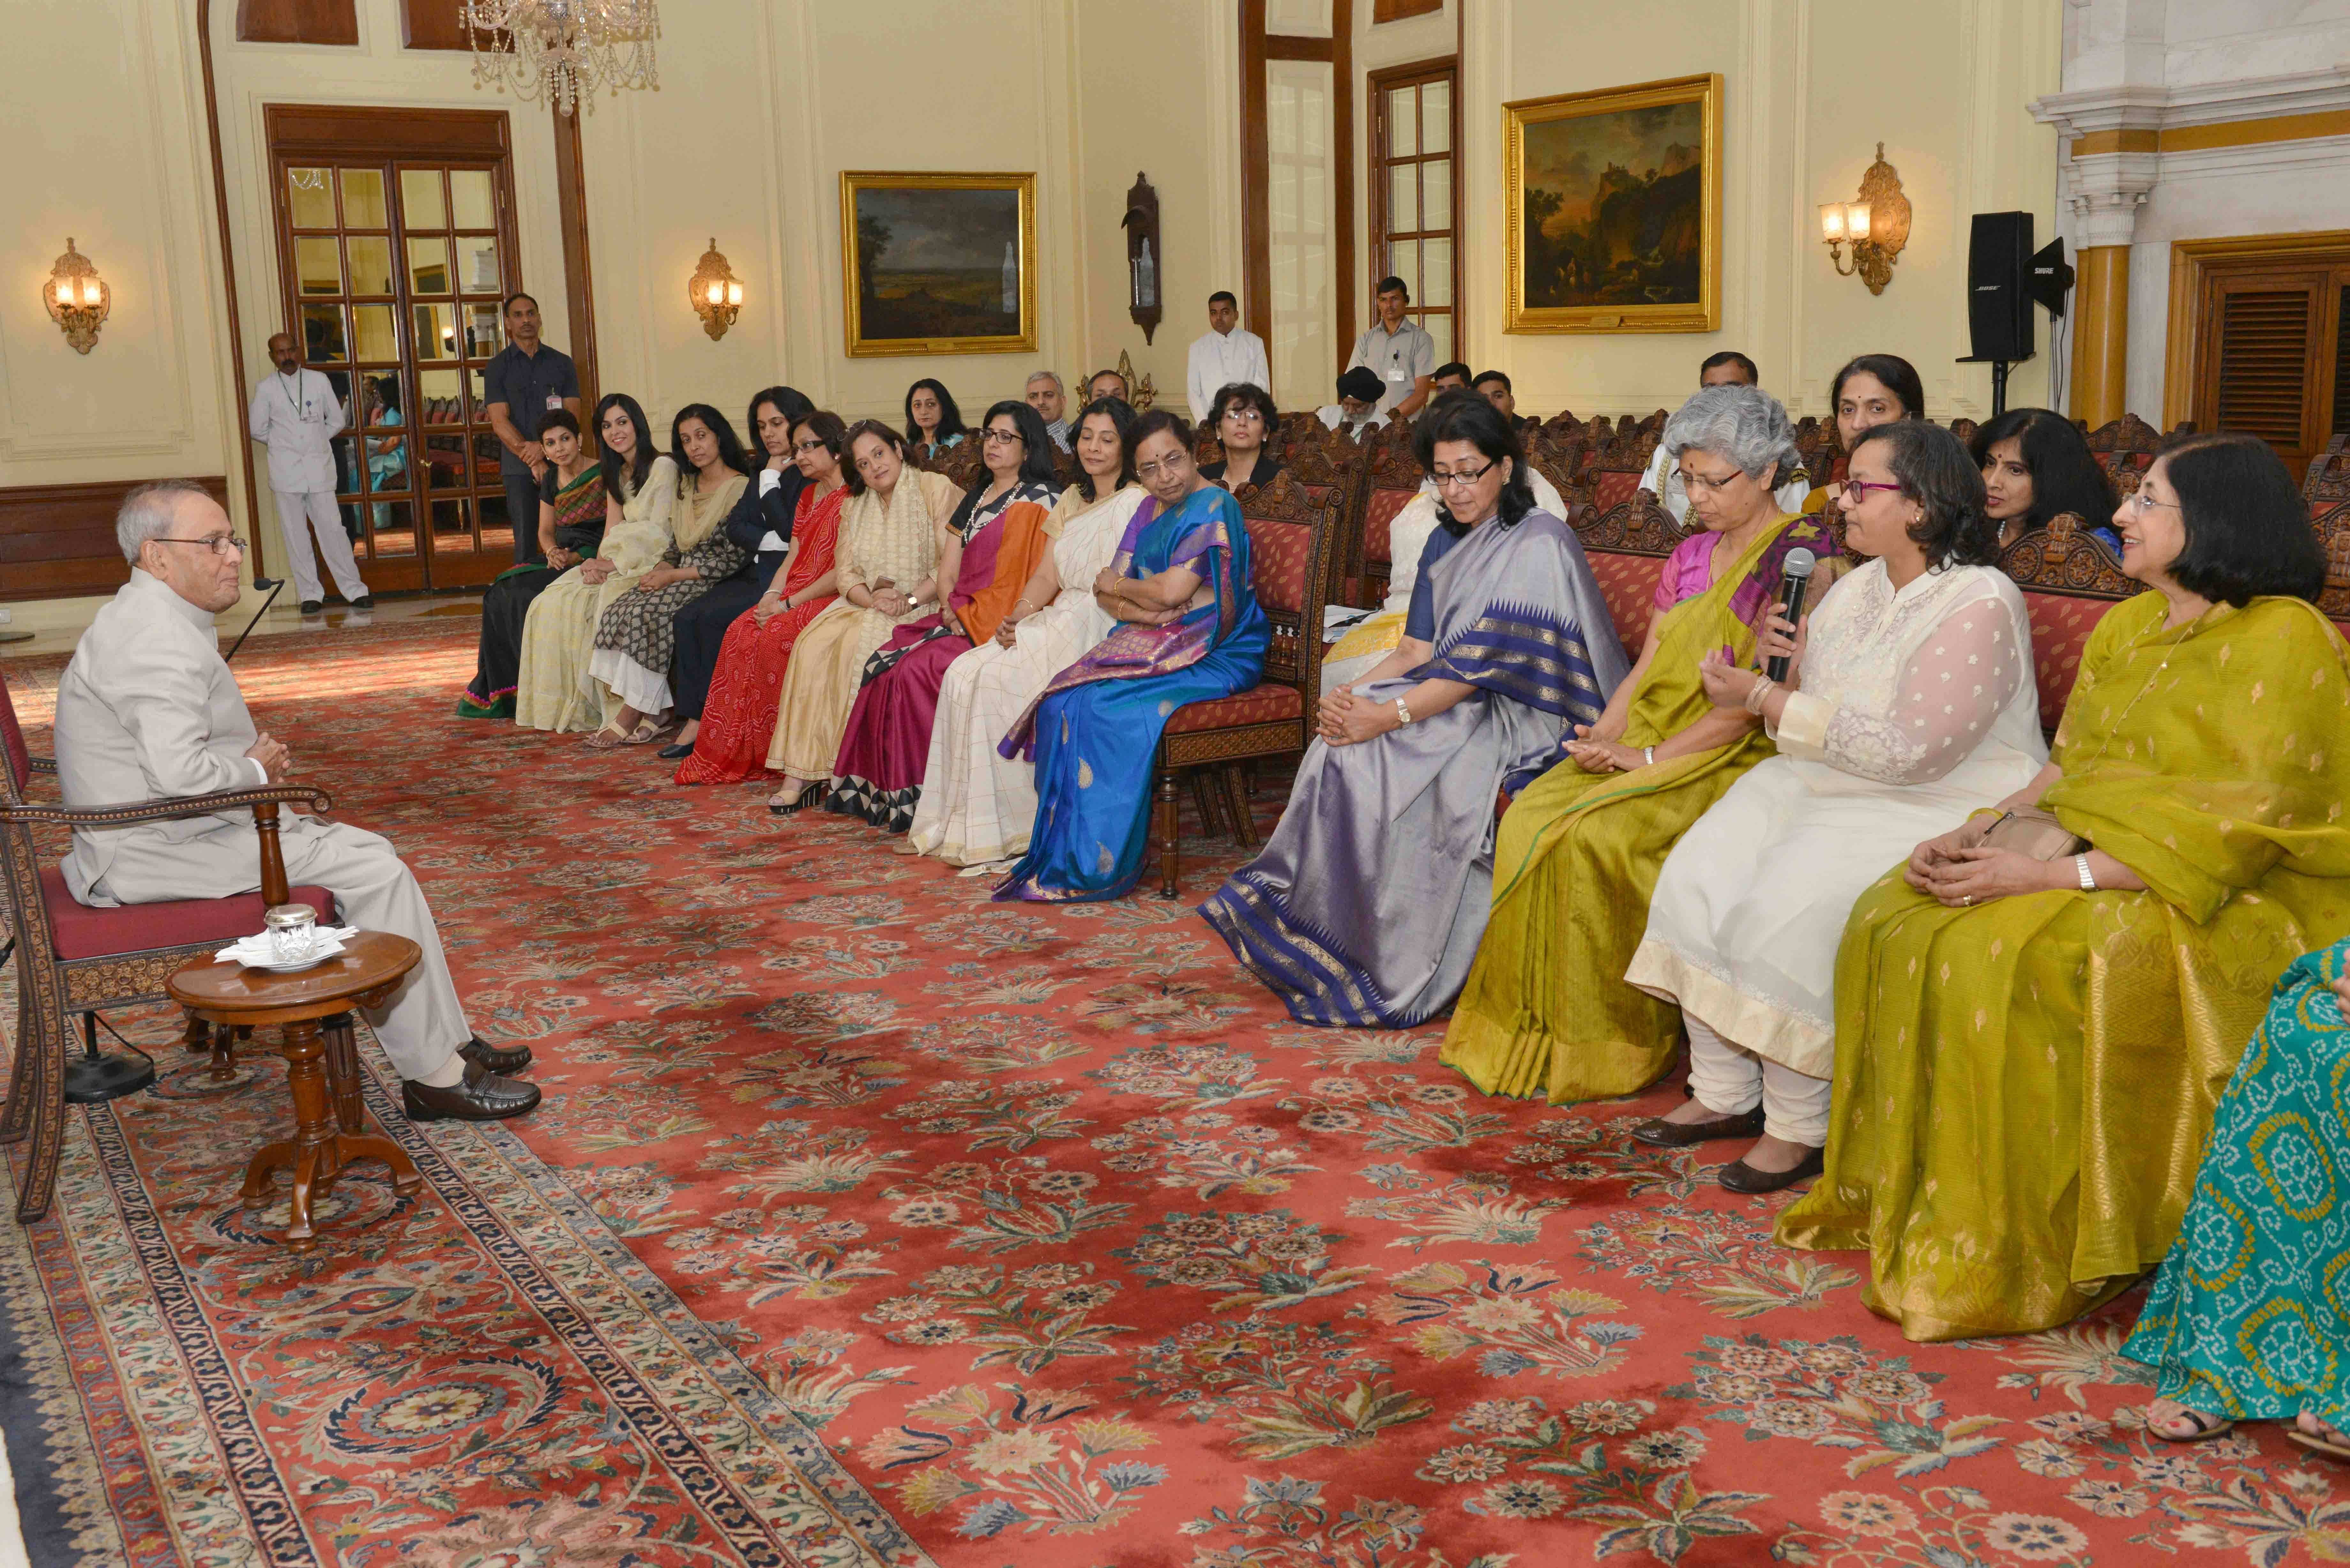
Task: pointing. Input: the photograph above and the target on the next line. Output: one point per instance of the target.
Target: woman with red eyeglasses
(1908, 702)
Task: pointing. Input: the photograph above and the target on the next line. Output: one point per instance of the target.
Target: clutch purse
(2034, 834)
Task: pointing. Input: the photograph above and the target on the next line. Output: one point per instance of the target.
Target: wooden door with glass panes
(1414, 193)
(396, 267)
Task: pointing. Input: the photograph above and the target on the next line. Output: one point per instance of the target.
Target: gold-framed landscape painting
(938, 264)
(1615, 209)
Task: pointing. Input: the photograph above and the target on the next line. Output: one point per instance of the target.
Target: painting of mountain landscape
(1615, 209)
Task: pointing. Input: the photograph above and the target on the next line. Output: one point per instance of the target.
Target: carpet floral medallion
(867, 1222)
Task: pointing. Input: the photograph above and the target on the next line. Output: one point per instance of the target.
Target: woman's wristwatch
(1403, 710)
(2088, 878)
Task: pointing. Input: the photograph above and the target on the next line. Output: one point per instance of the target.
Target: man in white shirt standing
(296, 414)
(1226, 355)
(1400, 353)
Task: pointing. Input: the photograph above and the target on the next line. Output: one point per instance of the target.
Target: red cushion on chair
(1282, 551)
(1379, 520)
(1614, 488)
(1263, 705)
(2060, 629)
(79, 931)
(1628, 584)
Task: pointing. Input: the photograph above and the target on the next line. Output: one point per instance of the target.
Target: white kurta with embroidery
(1917, 707)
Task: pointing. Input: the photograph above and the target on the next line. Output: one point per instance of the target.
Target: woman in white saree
(977, 806)
(558, 638)
(1909, 704)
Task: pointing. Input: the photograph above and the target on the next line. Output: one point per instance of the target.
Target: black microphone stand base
(92, 1079)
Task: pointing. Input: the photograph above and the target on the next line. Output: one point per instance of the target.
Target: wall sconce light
(77, 299)
(1878, 225)
(717, 298)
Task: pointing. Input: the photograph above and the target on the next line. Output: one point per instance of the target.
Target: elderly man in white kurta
(296, 414)
(148, 710)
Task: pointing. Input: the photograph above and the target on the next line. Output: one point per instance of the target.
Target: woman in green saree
(1546, 1011)
(2028, 1051)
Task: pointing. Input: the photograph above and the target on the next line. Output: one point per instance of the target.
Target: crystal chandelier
(563, 48)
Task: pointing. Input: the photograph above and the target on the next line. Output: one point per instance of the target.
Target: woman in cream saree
(2028, 1053)
(558, 638)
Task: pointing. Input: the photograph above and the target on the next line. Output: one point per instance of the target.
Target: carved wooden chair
(74, 959)
(1290, 531)
(1326, 463)
(2125, 448)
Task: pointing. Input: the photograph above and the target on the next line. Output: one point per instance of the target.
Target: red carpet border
(869, 1221)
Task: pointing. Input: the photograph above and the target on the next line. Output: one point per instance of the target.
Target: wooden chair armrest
(44, 764)
(131, 813)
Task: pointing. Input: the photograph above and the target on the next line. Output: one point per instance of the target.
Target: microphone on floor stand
(274, 589)
(1794, 576)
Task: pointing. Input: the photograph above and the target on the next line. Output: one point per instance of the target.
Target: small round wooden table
(364, 975)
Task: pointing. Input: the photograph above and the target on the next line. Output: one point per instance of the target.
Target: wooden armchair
(1391, 477)
(72, 958)
(1290, 531)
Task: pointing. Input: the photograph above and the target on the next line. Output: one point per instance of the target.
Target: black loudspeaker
(1999, 278)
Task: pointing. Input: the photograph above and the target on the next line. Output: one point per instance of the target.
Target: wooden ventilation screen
(2274, 358)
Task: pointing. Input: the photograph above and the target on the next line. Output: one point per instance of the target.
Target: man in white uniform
(296, 414)
(148, 710)
(1226, 355)
(1400, 353)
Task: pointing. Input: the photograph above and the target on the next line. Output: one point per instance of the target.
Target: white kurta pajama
(298, 417)
(148, 710)
(1916, 708)
(977, 805)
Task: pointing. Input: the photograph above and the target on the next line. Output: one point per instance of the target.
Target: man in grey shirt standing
(525, 380)
(1400, 353)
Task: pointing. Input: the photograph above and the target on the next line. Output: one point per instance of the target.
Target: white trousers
(1731, 1080)
(297, 512)
(424, 1023)
(646, 690)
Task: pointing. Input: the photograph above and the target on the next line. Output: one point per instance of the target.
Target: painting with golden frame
(938, 264)
(1615, 209)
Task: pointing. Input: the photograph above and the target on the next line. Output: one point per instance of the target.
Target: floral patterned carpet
(867, 1222)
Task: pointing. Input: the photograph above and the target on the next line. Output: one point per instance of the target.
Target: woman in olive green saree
(1546, 1011)
(2028, 1052)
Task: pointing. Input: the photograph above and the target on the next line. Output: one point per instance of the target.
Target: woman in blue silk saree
(1191, 631)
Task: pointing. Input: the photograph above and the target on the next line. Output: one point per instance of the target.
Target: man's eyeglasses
(1461, 478)
(1856, 490)
(219, 545)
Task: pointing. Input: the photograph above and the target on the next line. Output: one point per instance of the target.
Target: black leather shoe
(312, 606)
(1659, 1133)
(1740, 1176)
(502, 1060)
(671, 753)
(364, 602)
(482, 1098)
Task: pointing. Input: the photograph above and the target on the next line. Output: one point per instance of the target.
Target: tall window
(2275, 356)
(1414, 194)
(394, 272)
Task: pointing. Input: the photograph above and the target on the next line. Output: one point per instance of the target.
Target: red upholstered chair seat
(2060, 629)
(1628, 584)
(1259, 705)
(83, 932)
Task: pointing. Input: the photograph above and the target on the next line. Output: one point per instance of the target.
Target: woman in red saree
(739, 718)
(988, 550)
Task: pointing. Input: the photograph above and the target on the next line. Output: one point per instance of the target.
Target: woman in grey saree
(1366, 904)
